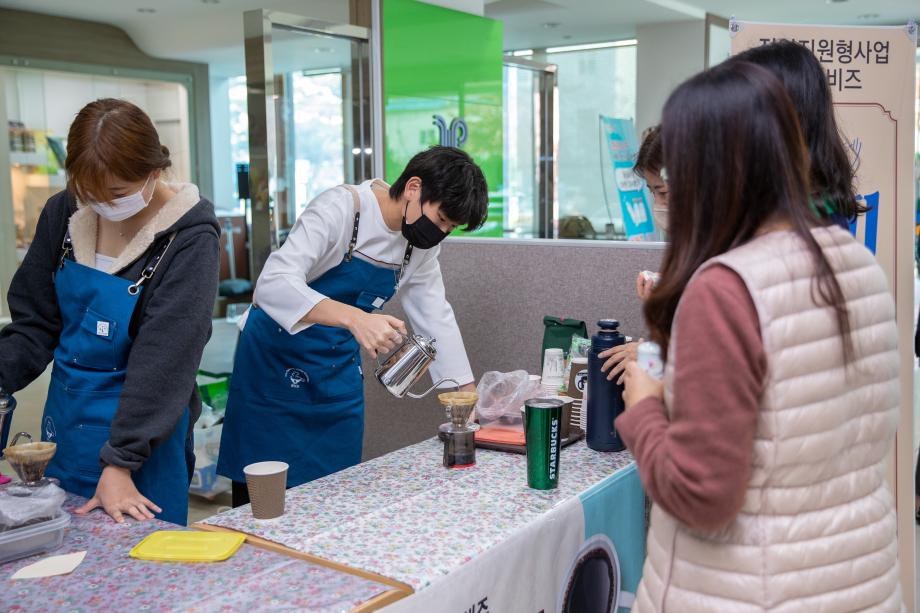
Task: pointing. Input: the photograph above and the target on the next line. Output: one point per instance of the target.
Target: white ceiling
(829, 12)
(547, 23)
(212, 33)
(581, 21)
(185, 29)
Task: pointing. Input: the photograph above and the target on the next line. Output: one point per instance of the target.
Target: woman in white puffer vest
(762, 449)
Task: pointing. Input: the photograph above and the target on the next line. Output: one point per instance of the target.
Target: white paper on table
(51, 567)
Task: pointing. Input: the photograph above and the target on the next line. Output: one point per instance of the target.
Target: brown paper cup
(266, 483)
(578, 378)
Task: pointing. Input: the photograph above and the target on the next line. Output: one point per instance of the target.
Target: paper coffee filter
(30, 460)
(458, 406)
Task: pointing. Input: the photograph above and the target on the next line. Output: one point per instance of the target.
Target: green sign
(442, 84)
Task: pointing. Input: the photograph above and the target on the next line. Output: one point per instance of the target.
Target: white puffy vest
(817, 530)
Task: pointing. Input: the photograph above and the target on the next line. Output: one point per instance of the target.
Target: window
(318, 138)
(592, 82)
(239, 124)
(520, 91)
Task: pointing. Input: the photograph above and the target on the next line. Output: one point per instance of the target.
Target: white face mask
(122, 208)
(660, 215)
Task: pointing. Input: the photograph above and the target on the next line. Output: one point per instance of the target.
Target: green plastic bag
(214, 393)
(558, 333)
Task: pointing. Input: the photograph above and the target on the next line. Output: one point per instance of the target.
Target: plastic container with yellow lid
(188, 546)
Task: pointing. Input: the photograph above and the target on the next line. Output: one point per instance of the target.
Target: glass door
(309, 106)
(530, 145)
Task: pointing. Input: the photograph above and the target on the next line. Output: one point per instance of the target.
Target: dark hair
(111, 139)
(449, 177)
(736, 160)
(651, 156)
(831, 173)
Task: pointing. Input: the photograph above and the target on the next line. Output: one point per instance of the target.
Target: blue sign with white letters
(622, 146)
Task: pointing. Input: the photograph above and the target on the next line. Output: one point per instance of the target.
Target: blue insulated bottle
(605, 398)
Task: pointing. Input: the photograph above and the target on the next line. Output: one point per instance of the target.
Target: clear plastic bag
(21, 506)
(501, 395)
(205, 481)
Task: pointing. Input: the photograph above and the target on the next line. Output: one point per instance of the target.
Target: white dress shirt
(319, 241)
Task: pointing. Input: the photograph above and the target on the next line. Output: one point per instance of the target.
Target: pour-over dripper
(458, 406)
(459, 434)
(30, 460)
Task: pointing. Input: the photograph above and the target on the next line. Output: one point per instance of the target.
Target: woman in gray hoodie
(117, 289)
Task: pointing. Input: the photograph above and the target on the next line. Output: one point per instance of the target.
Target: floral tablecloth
(108, 579)
(406, 517)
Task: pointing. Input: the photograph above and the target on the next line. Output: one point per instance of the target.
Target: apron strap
(66, 248)
(152, 263)
(402, 267)
(354, 232)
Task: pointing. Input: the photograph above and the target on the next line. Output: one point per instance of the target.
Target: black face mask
(422, 233)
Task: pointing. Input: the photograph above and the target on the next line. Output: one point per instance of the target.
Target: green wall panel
(442, 62)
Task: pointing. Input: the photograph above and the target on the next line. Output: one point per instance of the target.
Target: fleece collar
(84, 223)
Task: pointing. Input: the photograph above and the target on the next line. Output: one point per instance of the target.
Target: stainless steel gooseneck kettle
(406, 364)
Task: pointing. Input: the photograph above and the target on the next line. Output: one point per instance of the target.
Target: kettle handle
(428, 391)
(399, 343)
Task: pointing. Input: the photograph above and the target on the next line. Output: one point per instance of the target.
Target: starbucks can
(542, 429)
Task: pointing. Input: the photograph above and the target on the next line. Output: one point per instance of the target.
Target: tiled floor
(200, 508)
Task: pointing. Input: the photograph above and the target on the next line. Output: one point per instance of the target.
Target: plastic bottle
(605, 402)
(648, 356)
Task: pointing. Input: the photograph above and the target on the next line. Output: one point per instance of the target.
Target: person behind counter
(649, 165)
(117, 288)
(763, 447)
(831, 174)
(297, 392)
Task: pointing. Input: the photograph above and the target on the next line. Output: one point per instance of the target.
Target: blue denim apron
(299, 398)
(90, 365)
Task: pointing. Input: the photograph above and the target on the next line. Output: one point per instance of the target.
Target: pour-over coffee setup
(399, 372)
(407, 363)
(459, 434)
(29, 461)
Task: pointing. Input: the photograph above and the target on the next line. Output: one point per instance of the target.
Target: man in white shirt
(297, 391)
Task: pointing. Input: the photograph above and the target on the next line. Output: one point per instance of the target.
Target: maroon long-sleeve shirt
(695, 460)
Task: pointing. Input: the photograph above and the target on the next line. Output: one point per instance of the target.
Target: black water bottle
(605, 398)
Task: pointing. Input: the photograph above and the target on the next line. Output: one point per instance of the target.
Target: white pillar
(667, 54)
